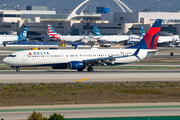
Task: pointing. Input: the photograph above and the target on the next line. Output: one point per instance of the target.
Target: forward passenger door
(24, 56)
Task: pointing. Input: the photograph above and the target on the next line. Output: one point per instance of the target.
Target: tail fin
(150, 40)
(23, 35)
(51, 31)
(96, 31)
(142, 31)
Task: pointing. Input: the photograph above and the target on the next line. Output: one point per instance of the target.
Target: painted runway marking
(83, 79)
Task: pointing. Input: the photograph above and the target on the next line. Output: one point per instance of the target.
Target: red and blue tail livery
(150, 40)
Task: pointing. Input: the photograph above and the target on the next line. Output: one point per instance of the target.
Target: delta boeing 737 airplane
(79, 59)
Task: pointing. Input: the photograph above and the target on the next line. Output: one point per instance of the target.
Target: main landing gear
(90, 69)
(17, 70)
(80, 70)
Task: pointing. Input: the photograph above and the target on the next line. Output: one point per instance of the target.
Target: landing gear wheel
(90, 69)
(17, 70)
(79, 70)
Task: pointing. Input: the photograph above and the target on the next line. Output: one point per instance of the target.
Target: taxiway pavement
(59, 76)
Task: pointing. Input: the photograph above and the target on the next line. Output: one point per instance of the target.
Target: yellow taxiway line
(83, 79)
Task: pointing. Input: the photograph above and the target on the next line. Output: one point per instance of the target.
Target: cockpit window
(11, 55)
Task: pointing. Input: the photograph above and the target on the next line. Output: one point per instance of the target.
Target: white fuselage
(7, 38)
(71, 38)
(53, 57)
(116, 38)
(164, 39)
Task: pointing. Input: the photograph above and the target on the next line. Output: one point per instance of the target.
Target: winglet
(76, 47)
(137, 51)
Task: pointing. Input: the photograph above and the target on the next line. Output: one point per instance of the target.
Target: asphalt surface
(58, 76)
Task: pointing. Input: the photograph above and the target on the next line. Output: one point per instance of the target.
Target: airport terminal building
(110, 23)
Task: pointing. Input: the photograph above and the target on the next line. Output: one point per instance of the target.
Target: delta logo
(30, 54)
(38, 53)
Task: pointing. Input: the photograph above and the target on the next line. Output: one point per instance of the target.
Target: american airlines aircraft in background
(162, 39)
(79, 59)
(113, 38)
(67, 38)
(4, 39)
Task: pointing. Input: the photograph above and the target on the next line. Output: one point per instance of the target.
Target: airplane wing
(110, 59)
(107, 58)
(101, 61)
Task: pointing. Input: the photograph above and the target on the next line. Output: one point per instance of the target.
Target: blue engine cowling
(60, 66)
(76, 65)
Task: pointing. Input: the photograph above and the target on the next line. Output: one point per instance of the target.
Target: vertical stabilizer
(23, 35)
(51, 31)
(150, 39)
(142, 31)
(96, 31)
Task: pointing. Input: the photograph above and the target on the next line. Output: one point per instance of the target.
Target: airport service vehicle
(112, 38)
(67, 38)
(162, 39)
(4, 39)
(79, 59)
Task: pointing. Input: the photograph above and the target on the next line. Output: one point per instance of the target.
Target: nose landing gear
(17, 70)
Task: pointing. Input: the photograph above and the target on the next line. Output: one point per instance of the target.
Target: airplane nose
(4, 60)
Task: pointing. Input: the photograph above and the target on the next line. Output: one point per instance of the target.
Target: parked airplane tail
(142, 31)
(96, 31)
(52, 32)
(150, 40)
(23, 35)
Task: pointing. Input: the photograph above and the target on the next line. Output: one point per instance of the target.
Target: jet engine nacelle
(76, 65)
(60, 66)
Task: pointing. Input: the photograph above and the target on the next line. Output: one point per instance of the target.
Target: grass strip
(88, 93)
(91, 108)
(133, 118)
(13, 49)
